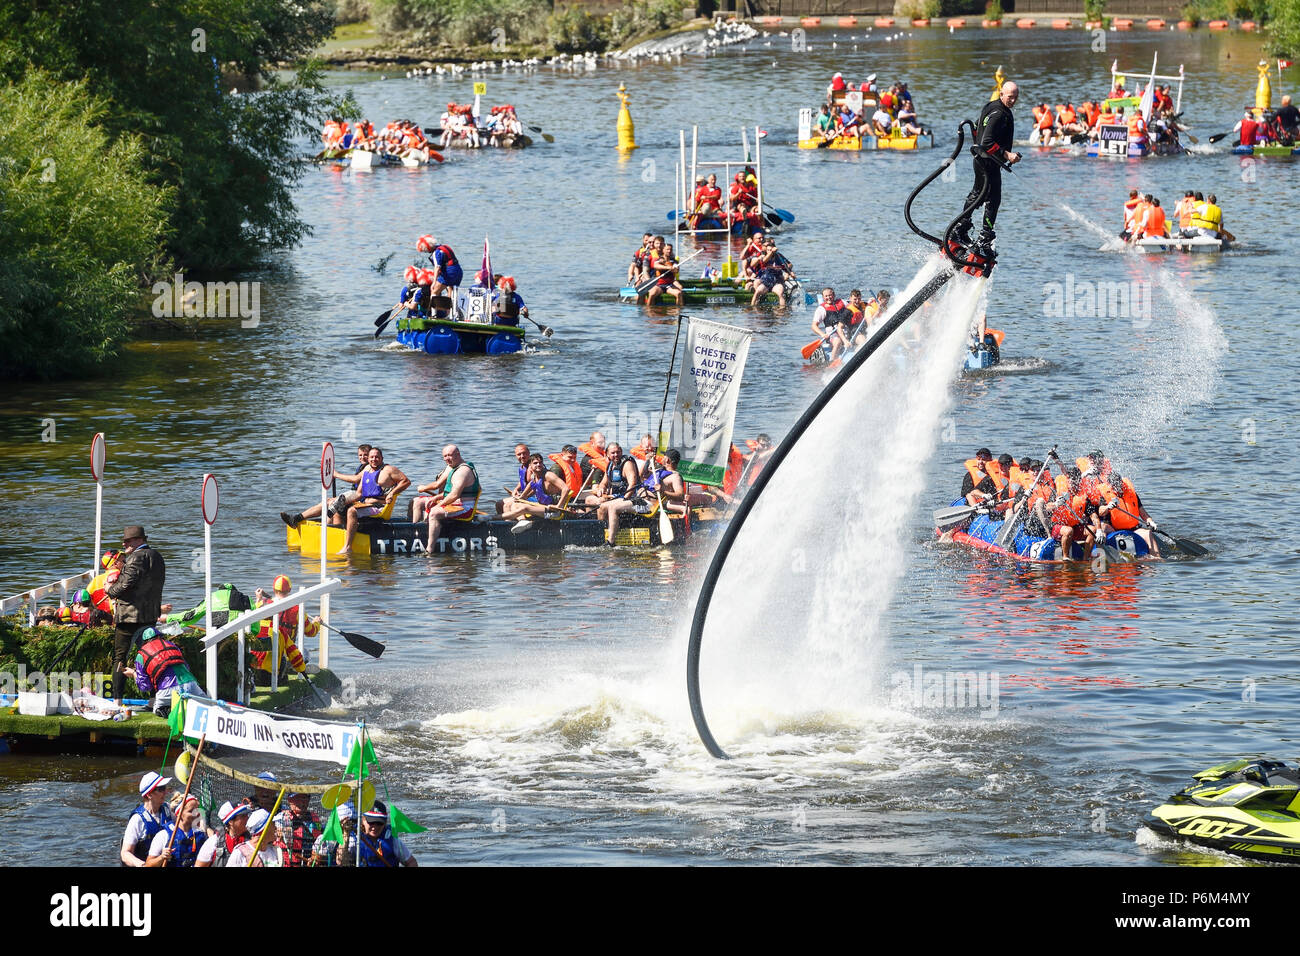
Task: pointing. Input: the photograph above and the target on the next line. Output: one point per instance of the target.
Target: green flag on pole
(401, 822)
(176, 718)
(360, 761)
(333, 829)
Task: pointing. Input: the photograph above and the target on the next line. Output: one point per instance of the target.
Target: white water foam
(1180, 349)
(794, 625)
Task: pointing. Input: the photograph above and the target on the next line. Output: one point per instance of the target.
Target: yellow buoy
(998, 79)
(626, 131)
(1263, 89)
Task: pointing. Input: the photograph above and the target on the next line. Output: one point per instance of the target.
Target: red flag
(1283, 64)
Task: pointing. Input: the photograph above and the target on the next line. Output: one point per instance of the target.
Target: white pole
(99, 514)
(758, 169)
(207, 601)
(325, 598)
(275, 653)
(242, 696)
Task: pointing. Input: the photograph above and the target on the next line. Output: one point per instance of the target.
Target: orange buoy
(1060, 24)
(810, 21)
(1156, 24)
(847, 22)
(1250, 26)
(1218, 24)
(1123, 24)
(956, 22)
(884, 21)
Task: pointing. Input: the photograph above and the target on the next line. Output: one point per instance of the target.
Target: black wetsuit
(994, 129)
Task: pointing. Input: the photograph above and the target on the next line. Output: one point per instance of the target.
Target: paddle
(537, 129)
(388, 317)
(266, 828)
(359, 641)
(785, 214)
(665, 523)
(1182, 544)
(1008, 528)
(1109, 550)
(1218, 136)
(946, 518)
(66, 647)
(1227, 235)
(320, 698)
(811, 348)
(645, 287)
(826, 142)
(546, 330)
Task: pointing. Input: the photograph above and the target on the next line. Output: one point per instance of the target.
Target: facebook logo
(347, 743)
(201, 719)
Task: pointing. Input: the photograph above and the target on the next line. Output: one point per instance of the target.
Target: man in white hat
(234, 822)
(379, 845)
(269, 854)
(147, 819)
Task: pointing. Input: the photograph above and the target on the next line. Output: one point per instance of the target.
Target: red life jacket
(572, 473)
(1127, 499)
(160, 654)
(735, 468)
(598, 459)
(447, 254)
(1248, 132)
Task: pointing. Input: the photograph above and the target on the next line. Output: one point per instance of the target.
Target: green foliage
(993, 10)
(637, 19)
(574, 30)
(351, 11)
(82, 224)
(1283, 29)
(918, 9)
(1094, 9)
(158, 66)
(1199, 11)
(37, 647)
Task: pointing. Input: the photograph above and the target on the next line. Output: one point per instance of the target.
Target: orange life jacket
(997, 474)
(1137, 127)
(1155, 222)
(1044, 117)
(599, 460)
(976, 469)
(1018, 477)
(1128, 500)
(735, 468)
(1131, 210)
(1183, 211)
(1106, 119)
(1072, 513)
(572, 473)
(1066, 115)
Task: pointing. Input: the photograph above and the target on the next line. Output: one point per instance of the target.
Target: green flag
(360, 761)
(401, 822)
(333, 830)
(176, 718)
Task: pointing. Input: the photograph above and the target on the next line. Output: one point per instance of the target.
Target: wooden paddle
(388, 317)
(180, 808)
(537, 129)
(811, 348)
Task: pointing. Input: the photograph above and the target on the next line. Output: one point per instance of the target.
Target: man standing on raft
(992, 148)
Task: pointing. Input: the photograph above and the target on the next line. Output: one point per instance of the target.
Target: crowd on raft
(425, 287)
(1194, 215)
(1067, 124)
(844, 325)
(598, 479)
(894, 111)
(461, 127)
(655, 270)
(1086, 501)
(401, 138)
(167, 830)
(741, 206)
(1268, 127)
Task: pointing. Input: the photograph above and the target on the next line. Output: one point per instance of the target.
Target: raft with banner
(980, 533)
(895, 140)
(1116, 141)
(207, 727)
(451, 337)
(483, 535)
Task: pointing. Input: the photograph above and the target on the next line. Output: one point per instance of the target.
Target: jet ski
(1250, 808)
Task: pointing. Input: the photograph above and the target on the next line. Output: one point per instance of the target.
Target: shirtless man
(374, 486)
(453, 494)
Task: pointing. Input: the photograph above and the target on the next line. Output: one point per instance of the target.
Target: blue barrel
(503, 343)
(442, 341)
(417, 340)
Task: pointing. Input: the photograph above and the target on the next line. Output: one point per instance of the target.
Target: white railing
(240, 625)
(31, 598)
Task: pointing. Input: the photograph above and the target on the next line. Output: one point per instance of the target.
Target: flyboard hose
(810, 414)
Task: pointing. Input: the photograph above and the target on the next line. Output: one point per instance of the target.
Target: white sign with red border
(209, 498)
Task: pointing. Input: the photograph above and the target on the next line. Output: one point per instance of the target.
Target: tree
(82, 223)
(159, 67)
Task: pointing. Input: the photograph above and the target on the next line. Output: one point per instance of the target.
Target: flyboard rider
(992, 149)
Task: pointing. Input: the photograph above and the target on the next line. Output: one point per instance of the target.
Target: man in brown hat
(136, 590)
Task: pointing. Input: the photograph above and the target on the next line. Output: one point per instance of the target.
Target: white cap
(152, 781)
(257, 821)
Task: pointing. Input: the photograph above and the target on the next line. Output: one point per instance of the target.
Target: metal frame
(684, 182)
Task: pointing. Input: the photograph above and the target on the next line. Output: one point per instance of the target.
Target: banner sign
(707, 390)
(1114, 141)
(255, 730)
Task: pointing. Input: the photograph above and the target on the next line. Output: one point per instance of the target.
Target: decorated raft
(981, 533)
(702, 292)
(481, 535)
(472, 332)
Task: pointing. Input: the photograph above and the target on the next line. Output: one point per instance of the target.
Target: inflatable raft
(457, 141)
(472, 331)
(1152, 245)
(482, 535)
(981, 533)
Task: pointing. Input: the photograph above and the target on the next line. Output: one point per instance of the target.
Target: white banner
(265, 733)
(707, 391)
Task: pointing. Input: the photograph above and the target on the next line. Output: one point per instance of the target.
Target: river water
(533, 709)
